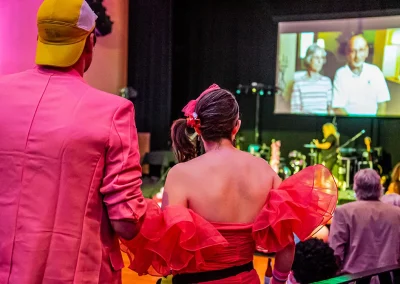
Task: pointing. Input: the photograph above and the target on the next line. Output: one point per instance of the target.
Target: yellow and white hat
(63, 26)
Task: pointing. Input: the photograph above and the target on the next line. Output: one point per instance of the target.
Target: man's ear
(89, 45)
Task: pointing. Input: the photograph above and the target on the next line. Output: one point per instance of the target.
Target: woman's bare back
(224, 185)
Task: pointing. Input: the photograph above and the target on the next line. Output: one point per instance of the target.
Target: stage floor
(128, 276)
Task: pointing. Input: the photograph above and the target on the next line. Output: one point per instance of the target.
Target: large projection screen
(348, 67)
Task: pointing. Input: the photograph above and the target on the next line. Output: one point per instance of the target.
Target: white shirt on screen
(360, 94)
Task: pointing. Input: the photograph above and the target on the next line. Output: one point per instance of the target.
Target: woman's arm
(323, 146)
(283, 263)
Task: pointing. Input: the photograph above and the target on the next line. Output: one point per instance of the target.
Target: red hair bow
(189, 109)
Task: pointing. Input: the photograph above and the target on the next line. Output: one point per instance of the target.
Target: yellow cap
(63, 26)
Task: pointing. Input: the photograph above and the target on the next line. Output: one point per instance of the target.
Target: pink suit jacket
(366, 235)
(69, 163)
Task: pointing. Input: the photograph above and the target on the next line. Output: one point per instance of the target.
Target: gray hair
(367, 185)
(311, 50)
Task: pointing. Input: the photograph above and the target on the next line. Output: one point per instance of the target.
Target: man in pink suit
(365, 234)
(69, 163)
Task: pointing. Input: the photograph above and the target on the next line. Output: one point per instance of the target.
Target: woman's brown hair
(394, 186)
(217, 114)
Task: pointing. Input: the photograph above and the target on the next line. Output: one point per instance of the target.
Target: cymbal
(311, 146)
(347, 150)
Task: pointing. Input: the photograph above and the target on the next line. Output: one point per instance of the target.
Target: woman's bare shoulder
(256, 161)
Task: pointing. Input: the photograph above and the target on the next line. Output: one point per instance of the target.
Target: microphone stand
(353, 138)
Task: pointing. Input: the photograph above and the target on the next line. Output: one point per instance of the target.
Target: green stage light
(238, 92)
(262, 93)
(253, 148)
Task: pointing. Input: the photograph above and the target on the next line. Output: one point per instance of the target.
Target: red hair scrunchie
(193, 121)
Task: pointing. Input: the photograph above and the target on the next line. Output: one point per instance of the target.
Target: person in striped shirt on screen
(312, 92)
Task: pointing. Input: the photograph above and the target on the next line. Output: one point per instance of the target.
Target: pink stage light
(18, 34)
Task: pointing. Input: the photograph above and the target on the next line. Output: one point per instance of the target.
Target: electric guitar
(370, 156)
(367, 142)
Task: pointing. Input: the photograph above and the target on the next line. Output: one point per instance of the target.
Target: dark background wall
(150, 66)
(230, 42)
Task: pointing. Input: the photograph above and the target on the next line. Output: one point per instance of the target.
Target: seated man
(374, 228)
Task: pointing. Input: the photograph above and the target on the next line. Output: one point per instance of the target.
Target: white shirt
(360, 94)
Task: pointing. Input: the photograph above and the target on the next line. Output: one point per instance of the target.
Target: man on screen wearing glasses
(359, 88)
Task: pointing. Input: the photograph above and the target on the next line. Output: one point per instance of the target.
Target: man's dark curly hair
(314, 261)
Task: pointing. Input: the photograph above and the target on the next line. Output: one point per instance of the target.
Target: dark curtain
(230, 42)
(149, 67)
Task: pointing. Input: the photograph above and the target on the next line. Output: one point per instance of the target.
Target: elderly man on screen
(365, 234)
(359, 88)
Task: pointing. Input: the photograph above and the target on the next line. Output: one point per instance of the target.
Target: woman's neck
(312, 74)
(223, 144)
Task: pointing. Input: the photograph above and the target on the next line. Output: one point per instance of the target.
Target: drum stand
(348, 160)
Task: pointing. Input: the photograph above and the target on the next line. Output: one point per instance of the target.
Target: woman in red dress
(220, 206)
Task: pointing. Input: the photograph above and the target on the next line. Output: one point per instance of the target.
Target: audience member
(70, 172)
(364, 233)
(314, 261)
(394, 186)
(392, 198)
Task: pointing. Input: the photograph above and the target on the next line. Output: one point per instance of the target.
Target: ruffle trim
(302, 204)
(171, 240)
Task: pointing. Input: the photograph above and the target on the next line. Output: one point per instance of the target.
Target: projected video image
(347, 67)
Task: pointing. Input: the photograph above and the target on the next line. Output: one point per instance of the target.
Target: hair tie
(192, 120)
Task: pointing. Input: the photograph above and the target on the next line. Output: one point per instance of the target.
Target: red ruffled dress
(177, 240)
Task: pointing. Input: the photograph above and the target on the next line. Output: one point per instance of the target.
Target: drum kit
(349, 161)
(346, 161)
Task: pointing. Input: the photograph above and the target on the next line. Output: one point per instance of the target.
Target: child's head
(314, 261)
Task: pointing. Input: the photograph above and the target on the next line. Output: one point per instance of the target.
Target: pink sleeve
(122, 176)
(301, 205)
